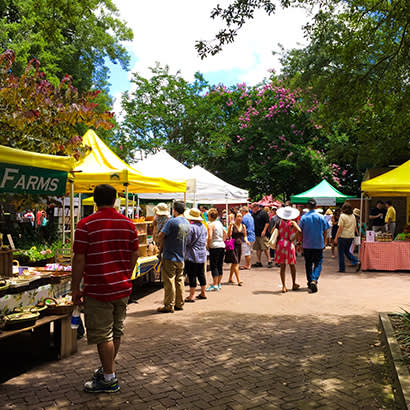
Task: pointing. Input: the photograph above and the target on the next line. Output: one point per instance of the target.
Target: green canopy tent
(324, 194)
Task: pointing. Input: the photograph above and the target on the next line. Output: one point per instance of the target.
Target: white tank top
(217, 240)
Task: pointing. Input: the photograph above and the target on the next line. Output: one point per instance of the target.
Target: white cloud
(166, 31)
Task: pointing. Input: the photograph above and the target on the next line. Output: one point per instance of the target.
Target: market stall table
(385, 256)
(64, 337)
(144, 265)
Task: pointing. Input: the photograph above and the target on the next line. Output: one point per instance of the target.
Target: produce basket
(53, 308)
(4, 284)
(20, 320)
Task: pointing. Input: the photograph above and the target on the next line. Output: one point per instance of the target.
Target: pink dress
(285, 250)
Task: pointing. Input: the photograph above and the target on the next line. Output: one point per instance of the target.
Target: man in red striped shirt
(105, 254)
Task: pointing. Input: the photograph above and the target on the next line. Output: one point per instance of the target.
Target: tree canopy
(262, 137)
(68, 37)
(36, 116)
(356, 65)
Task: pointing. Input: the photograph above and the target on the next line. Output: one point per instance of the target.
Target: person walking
(335, 227)
(105, 254)
(274, 222)
(216, 246)
(285, 249)
(261, 220)
(172, 240)
(236, 231)
(195, 253)
(249, 223)
(314, 228)
(345, 236)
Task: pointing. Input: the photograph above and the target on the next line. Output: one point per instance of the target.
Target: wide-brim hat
(161, 209)
(193, 214)
(287, 213)
(356, 212)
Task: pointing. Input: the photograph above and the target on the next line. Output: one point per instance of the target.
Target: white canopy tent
(202, 186)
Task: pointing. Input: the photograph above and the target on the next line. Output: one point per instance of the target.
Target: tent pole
(79, 208)
(227, 211)
(63, 220)
(360, 223)
(138, 206)
(72, 222)
(126, 200)
(133, 206)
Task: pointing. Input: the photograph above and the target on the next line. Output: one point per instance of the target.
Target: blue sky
(166, 32)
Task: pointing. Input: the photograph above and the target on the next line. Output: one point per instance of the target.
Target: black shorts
(193, 271)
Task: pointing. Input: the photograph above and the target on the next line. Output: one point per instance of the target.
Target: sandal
(284, 290)
(230, 282)
(187, 300)
(240, 283)
(201, 297)
(244, 268)
(295, 287)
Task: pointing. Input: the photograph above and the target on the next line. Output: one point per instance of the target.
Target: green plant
(403, 334)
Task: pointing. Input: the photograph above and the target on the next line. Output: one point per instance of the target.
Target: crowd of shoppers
(106, 251)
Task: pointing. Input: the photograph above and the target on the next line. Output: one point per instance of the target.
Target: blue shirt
(196, 243)
(313, 226)
(175, 231)
(249, 223)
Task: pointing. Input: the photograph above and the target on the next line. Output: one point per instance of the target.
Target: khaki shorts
(246, 249)
(260, 243)
(104, 320)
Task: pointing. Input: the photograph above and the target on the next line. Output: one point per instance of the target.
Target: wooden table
(65, 338)
(385, 256)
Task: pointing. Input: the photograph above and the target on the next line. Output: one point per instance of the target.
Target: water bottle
(75, 318)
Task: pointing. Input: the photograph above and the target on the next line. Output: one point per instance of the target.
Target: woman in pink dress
(285, 249)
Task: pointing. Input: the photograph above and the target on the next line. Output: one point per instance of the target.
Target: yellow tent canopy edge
(393, 183)
(16, 156)
(103, 166)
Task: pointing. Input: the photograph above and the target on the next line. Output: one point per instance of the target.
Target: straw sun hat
(287, 213)
(193, 214)
(161, 209)
(356, 212)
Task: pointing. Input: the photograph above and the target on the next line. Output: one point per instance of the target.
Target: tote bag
(273, 238)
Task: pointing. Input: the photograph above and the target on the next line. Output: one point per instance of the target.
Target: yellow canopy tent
(102, 166)
(393, 183)
(90, 201)
(30, 172)
(34, 173)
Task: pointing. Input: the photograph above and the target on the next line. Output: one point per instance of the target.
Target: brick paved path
(245, 347)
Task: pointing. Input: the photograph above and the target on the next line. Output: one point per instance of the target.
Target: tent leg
(63, 220)
(72, 222)
(227, 212)
(138, 206)
(361, 220)
(79, 208)
(126, 200)
(133, 206)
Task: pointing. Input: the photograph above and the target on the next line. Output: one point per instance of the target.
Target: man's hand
(77, 297)
(263, 234)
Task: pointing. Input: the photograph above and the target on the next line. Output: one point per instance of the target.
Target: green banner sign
(31, 180)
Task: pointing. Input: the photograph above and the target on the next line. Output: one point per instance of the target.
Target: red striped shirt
(107, 239)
